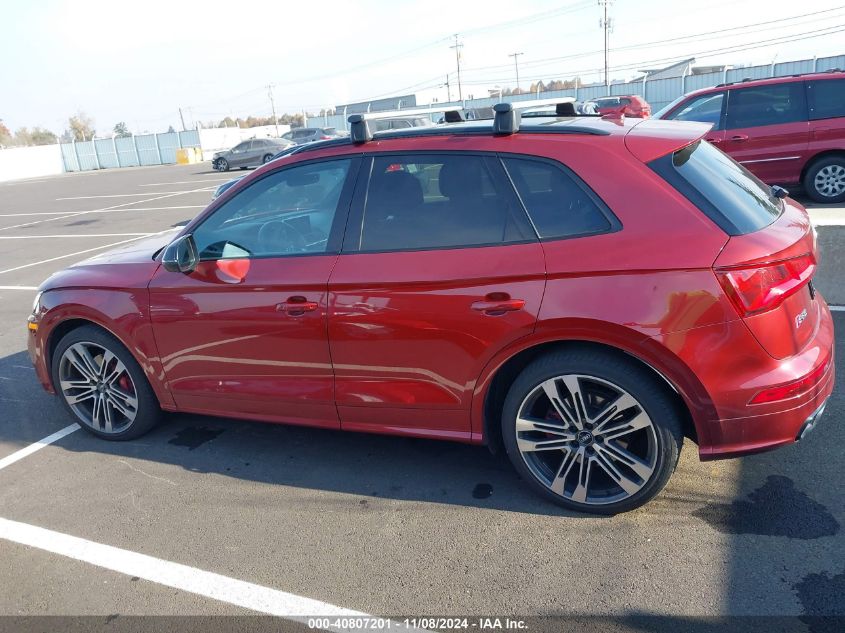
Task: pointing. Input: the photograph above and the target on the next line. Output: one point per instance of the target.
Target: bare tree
(81, 127)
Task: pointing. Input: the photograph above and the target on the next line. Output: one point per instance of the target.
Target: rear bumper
(792, 420)
(733, 367)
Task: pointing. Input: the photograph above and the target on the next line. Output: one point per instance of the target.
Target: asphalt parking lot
(379, 525)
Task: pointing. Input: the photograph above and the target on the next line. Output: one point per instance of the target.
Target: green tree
(81, 127)
(121, 130)
(40, 136)
(23, 137)
(5, 134)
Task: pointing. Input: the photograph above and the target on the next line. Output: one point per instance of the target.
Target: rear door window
(826, 98)
(724, 190)
(431, 201)
(766, 105)
(558, 203)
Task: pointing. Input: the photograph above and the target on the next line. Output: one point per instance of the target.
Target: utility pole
(448, 89)
(516, 66)
(273, 108)
(606, 25)
(182, 117)
(457, 46)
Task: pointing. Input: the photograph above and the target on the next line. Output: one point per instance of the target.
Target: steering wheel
(277, 236)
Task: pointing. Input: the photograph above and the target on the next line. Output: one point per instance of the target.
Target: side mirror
(181, 255)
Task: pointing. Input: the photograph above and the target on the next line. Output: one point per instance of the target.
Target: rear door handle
(297, 306)
(495, 308)
(739, 137)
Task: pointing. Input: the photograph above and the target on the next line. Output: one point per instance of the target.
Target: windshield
(662, 111)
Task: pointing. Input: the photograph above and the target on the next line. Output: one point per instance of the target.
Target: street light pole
(516, 66)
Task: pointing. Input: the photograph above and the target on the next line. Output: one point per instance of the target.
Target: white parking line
(41, 237)
(130, 195)
(74, 214)
(186, 206)
(185, 182)
(196, 581)
(837, 308)
(87, 250)
(37, 446)
(18, 287)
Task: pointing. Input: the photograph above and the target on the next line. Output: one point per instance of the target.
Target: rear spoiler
(652, 138)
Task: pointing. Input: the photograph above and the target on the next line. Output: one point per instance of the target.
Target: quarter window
(289, 212)
(439, 201)
(827, 98)
(558, 205)
(767, 105)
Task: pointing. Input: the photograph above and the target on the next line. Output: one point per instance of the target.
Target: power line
(731, 49)
(547, 60)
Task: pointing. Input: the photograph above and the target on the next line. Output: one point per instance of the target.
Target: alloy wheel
(98, 388)
(830, 181)
(586, 439)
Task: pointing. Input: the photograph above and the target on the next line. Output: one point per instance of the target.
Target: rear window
(724, 190)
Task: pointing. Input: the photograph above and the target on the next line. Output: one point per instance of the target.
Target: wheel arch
(817, 157)
(693, 403)
(134, 333)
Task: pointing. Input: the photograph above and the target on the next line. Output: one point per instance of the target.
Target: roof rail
(506, 116)
(360, 132)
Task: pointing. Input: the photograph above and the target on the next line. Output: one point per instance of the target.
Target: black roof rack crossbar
(360, 132)
(506, 116)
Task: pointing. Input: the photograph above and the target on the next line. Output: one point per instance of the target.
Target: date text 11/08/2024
(371, 623)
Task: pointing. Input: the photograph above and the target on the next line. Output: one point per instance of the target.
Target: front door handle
(297, 306)
(498, 307)
(713, 140)
(739, 138)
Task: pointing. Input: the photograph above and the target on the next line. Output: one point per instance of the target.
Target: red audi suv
(585, 293)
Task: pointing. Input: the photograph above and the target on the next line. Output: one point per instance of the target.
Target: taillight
(324, 137)
(791, 389)
(764, 287)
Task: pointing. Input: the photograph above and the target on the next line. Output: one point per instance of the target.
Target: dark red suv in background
(586, 292)
(787, 130)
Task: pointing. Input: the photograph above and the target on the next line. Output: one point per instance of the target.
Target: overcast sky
(139, 61)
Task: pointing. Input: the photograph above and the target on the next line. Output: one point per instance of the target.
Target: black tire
(222, 164)
(267, 158)
(828, 190)
(652, 396)
(148, 411)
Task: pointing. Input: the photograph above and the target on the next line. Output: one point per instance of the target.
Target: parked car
(302, 135)
(629, 105)
(249, 153)
(585, 292)
(786, 130)
(400, 123)
(231, 183)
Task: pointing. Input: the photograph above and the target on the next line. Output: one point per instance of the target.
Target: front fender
(124, 313)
